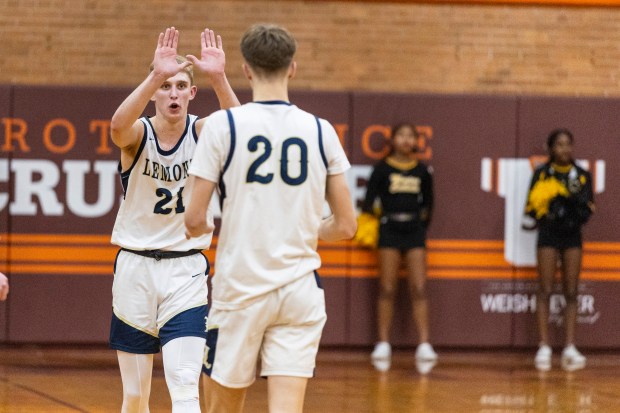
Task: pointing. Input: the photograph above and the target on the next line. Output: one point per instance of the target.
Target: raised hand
(212, 59)
(165, 60)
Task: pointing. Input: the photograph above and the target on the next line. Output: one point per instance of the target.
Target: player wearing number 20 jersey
(271, 159)
(155, 195)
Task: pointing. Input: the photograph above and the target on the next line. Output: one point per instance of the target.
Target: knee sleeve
(185, 388)
(182, 366)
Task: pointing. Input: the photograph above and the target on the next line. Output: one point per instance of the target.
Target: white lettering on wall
(76, 188)
(35, 188)
(35, 178)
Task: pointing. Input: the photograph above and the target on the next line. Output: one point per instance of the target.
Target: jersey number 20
(254, 176)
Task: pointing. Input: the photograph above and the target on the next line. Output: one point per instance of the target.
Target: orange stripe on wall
(60, 254)
(469, 259)
(465, 244)
(476, 274)
(357, 257)
(601, 246)
(63, 269)
(602, 261)
(79, 253)
(54, 239)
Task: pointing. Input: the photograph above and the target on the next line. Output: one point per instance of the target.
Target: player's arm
(212, 62)
(342, 223)
(4, 287)
(196, 223)
(125, 129)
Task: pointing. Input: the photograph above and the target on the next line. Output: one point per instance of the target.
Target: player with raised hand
(160, 291)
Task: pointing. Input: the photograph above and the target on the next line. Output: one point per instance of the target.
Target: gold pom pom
(542, 193)
(367, 234)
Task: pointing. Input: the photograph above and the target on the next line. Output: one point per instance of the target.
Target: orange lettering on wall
(15, 130)
(47, 135)
(425, 133)
(370, 133)
(104, 128)
(341, 130)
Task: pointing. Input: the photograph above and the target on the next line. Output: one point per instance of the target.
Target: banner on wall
(60, 190)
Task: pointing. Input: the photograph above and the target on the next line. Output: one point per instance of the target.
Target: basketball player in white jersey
(160, 291)
(275, 166)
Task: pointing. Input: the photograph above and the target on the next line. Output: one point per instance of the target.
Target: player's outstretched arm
(4, 287)
(196, 223)
(212, 62)
(125, 130)
(342, 223)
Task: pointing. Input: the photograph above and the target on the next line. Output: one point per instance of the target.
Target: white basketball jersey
(151, 215)
(271, 160)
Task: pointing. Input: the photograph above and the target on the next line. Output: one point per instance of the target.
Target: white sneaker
(425, 366)
(382, 365)
(572, 359)
(542, 361)
(425, 352)
(382, 351)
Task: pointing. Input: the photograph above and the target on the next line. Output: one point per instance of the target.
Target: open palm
(212, 59)
(165, 60)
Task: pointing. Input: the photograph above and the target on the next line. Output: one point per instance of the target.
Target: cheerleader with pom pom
(405, 188)
(561, 201)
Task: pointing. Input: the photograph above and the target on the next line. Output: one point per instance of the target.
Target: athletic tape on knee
(188, 392)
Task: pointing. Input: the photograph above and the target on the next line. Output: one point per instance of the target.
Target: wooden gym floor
(86, 379)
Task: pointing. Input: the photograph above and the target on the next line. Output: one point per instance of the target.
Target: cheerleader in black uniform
(561, 201)
(405, 189)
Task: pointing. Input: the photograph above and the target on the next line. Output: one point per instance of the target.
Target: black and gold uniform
(561, 200)
(405, 190)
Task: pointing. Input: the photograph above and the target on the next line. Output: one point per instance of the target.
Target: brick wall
(398, 47)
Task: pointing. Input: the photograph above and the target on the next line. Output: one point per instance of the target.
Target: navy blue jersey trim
(273, 102)
(233, 139)
(125, 174)
(194, 132)
(317, 278)
(318, 124)
(173, 150)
